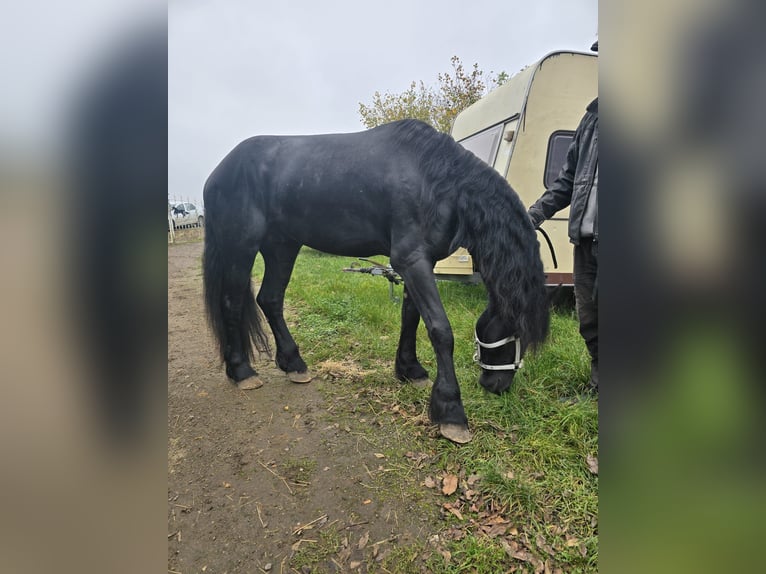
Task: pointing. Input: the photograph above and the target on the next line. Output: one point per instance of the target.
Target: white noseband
(518, 362)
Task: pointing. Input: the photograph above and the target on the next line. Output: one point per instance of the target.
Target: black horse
(403, 190)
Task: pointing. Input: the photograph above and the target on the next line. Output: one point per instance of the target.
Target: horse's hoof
(456, 433)
(249, 384)
(300, 378)
(422, 383)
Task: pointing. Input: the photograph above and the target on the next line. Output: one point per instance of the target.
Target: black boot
(594, 377)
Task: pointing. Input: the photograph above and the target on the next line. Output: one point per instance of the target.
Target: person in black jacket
(577, 186)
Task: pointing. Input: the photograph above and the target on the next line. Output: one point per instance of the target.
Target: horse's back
(339, 193)
(332, 192)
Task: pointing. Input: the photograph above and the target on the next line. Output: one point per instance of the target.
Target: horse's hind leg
(241, 321)
(279, 257)
(407, 367)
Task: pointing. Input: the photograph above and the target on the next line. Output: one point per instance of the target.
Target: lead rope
(550, 246)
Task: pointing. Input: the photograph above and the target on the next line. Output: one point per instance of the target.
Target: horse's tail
(225, 269)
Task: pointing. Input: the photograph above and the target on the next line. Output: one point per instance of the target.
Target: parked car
(186, 215)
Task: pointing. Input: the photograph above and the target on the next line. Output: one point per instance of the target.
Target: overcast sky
(239, 68)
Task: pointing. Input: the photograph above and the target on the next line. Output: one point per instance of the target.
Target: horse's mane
(492, 224)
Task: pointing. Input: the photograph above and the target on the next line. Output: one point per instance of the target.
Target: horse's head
(499, 352)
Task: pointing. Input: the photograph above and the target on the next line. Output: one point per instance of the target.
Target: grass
(316, 555)
(299, 470)
(530, 445)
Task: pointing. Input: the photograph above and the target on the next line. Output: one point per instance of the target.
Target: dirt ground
(258, 478)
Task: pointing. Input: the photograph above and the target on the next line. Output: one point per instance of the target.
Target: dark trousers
(586, 298)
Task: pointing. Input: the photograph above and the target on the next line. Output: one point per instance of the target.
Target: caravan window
(558, 145)
(484, 144)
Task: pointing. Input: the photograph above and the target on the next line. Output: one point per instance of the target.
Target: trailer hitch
(378, 269)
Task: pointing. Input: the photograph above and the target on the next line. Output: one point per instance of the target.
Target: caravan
(523, 129)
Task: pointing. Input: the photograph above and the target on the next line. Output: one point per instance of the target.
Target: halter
(518, 362)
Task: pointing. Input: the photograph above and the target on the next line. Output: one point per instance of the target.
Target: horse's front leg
(408, 368)
(446, 408)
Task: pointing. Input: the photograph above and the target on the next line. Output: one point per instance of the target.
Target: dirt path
(247, 470)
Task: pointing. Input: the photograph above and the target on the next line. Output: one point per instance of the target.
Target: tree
(438, 106)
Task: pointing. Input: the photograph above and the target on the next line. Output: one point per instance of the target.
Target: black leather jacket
(575, 180)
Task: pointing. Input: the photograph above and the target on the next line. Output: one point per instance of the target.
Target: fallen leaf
(509, 475)
(572, 542)
(542, 544)
(363, 540)
(455, 511)
(379, 455)
(354, 564)
(473, 479)
(429, 482)
(495, 530)
(523, 555)
(368, 501)
(497, 520)
(417, 458)
(513, 531)
(509, 550)
(226, 485)
(344, 555)
(592, 463)
(449, 484)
